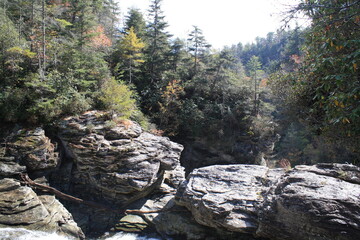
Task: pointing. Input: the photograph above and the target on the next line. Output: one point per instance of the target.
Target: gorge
(137, 176)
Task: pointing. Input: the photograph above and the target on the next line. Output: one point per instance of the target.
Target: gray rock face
(308, 202)
(9, 167)
(116, 161)
(314, 202)
(168, 219)
(21, 207)
(30, 148)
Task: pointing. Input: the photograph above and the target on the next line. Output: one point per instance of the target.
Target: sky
(223, 22)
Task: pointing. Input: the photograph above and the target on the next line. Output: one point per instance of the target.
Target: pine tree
(136, 20)
(254, 65)
(158, 43)
(130, 49)
(198, 46)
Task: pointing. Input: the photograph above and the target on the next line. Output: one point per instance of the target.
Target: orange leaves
(264, 82)
(173, 90)
(98, 38)
(296, 58)
(357, 19)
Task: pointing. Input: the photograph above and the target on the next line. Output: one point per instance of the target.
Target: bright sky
(223, 22)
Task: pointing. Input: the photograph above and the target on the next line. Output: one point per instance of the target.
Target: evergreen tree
(178, 58)
(156, 54)
(157, 39)
(136, 20)
(254, 66)
(198, 46)
(130, 48)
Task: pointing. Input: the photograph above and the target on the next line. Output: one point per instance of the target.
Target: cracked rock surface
(308, 202)
(20, 207)
(116, 160)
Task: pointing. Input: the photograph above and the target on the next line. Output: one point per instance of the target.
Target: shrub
(119, 98)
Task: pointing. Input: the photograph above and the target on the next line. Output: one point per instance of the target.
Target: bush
(119, 98)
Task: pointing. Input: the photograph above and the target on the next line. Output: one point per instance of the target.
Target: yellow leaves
(19, 50)
(345, 121)
(355, 67)
(131, 46)
(339, 104)
(338, 48)
(63, 23)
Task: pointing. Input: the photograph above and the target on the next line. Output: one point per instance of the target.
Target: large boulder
(114, 159)
(308, 202)
(29, 148)
(21, 207)
(158, 212)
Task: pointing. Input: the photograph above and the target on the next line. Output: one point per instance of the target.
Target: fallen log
(27, 180)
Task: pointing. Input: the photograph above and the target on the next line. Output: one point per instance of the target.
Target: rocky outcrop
(114, 159)
(308, 202)
(158, 212)
(28, 148)
(21, 207)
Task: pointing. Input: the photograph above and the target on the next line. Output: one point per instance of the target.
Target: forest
(294, 94)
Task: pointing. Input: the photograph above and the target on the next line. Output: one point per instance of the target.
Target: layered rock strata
(21, 207)
(308, 202)
(115, 160)
(27, 150)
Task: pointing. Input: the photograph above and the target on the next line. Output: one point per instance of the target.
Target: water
(24, 234)
(129, 236)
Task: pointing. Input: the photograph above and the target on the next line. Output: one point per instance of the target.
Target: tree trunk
(43, 60)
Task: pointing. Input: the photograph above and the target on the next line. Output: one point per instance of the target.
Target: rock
(9, 167)
(162, 215)
(308, 202)
(226, 196)
(168, 219)
(31, 148)
(131, 223)
(21, 207)
(175, 177)
(115, 160)
(313, 202)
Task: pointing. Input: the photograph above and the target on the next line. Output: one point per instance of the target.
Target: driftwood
(61, 195)
(140, 212)
(144, 212)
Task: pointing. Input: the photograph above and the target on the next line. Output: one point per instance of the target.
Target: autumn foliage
(98, 38)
